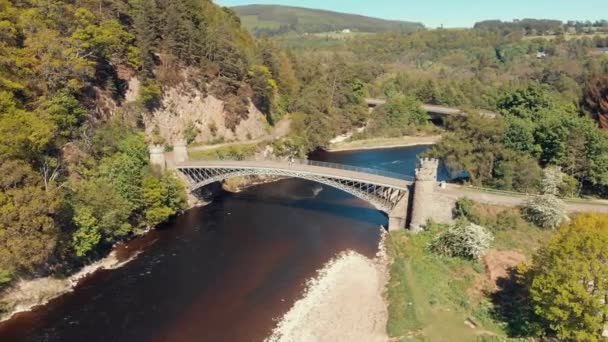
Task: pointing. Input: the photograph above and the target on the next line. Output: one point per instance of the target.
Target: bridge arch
(382, 192)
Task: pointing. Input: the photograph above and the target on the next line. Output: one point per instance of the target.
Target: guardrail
(372, 171)
(376, 172)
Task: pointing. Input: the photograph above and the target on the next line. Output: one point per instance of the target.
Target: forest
(76, 177)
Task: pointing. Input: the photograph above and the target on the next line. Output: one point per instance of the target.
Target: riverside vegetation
(73, 156)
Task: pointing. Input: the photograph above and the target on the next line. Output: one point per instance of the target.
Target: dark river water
(224, 272)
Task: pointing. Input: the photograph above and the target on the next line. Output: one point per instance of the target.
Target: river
(224, 272)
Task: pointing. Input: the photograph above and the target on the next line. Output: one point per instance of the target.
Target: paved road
(507, 199)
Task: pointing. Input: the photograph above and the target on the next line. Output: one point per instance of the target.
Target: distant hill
(277, 20)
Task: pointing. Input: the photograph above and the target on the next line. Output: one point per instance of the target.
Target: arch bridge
(382, 189)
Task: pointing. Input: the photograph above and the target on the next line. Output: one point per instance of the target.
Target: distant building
(346, 31)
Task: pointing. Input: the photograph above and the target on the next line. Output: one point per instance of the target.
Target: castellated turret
(424, 193)
(157, 157)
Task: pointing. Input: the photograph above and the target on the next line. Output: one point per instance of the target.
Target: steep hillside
(275, 20)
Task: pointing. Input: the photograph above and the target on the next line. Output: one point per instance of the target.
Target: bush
(190, 133)
(463, 239)
(545, 211)
(465, 208)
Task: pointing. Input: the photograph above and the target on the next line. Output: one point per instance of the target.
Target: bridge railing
(377, 172)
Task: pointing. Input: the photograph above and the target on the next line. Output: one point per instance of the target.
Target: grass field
(272, 17)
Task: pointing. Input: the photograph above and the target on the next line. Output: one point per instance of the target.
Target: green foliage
(264, 88)
(150, 94)
(65, 111)
(569, 286)
(162, 198)
(88, 236)
(231, 152)
(527, 102)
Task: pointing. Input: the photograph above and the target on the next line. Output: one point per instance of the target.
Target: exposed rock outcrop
(182, 105)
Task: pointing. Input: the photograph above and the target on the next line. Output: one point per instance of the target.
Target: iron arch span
(382, 189)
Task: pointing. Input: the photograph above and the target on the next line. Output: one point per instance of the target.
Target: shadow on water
(353, 212)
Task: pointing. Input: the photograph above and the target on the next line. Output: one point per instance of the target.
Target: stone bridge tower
(424, 193)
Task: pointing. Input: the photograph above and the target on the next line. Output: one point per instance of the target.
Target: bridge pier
(397, 218)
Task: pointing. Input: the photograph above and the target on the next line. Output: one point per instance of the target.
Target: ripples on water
(223, 272)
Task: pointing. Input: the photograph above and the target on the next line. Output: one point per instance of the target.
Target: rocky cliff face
(182, 106)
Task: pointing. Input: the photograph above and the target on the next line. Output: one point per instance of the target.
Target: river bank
(369, 144)
(345, 302)
(25, 295)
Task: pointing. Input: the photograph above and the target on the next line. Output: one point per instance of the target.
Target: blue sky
(452, 13)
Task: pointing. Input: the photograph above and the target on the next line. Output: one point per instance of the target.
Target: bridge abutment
(397, 218)
(157, 157)
(180, 151)
(424, 193)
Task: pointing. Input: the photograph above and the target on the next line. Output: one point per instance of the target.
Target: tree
(595, 100)
(569, 290)
(23, 134)
(28, 233)
(264, 88)
(547, 210)
(88, 236)
(526, 102)
(162, 199)
(65, 111)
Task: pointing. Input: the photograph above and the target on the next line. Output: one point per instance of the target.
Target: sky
(452, 13)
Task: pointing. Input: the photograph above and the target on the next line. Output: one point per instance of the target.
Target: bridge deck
(311, 167)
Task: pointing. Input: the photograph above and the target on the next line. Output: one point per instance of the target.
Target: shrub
(463, 239)
(465, 208)
(190, 132)
(545, 211)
